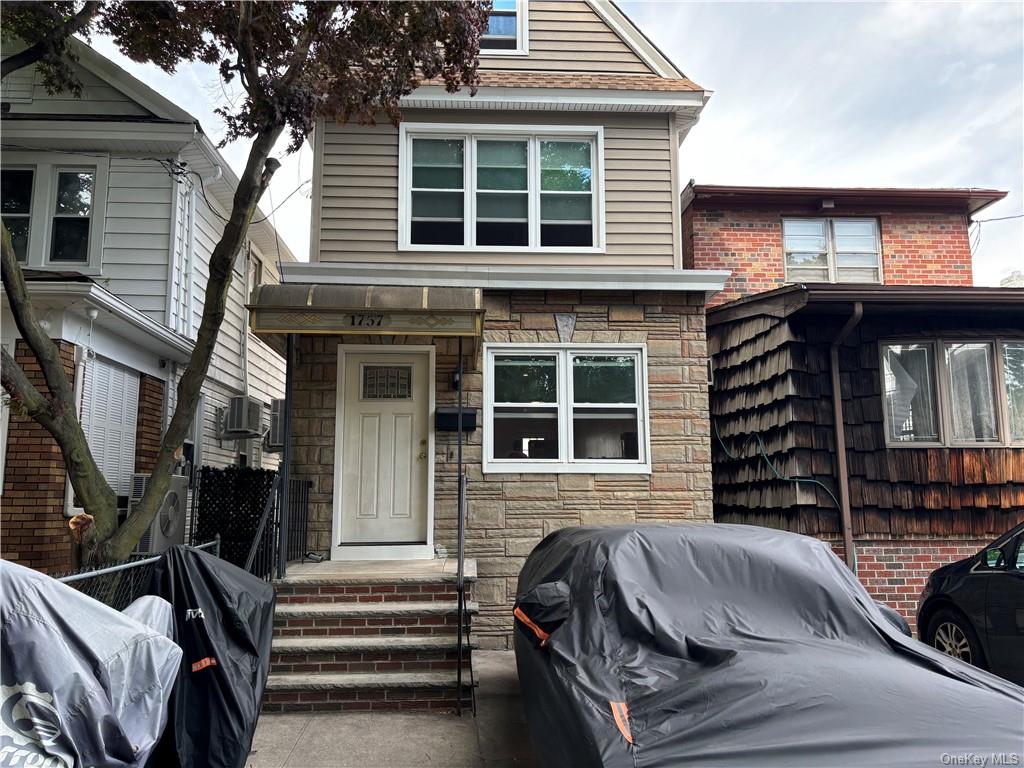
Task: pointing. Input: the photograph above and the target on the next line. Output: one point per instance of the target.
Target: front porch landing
(341, 572)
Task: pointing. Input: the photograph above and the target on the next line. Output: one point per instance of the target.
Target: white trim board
(631, 35)
(709, 281)
(389, 551)
(556, 99)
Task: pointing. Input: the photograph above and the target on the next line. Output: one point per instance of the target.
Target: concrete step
(364, 691)
(366, 619)
(360, 573)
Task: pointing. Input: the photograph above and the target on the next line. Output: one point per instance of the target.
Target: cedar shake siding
(356, 192)
(509, 513)
(569, 36)
(35, 532)
(917, 248)
(913, 508)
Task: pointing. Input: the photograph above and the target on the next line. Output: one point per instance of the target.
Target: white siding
(137, 234)
(98, 97)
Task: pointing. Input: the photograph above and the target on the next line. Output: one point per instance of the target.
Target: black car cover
(732, 645)
(223, 621)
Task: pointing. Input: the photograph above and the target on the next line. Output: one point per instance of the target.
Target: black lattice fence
(118, 584)
(230, 503)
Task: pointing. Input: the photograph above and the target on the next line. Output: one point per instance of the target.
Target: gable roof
(632, 36)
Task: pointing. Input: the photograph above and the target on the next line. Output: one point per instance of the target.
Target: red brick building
(861, 297)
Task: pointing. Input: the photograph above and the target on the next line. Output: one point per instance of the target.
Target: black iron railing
(263, 550)
(460, 577)
(298, 518)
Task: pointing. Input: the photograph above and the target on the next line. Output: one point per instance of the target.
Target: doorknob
(423, 454)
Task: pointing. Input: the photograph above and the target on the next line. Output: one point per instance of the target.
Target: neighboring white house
(115, 240)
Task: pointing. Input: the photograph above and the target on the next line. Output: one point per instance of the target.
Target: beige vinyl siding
(358, 194)
(569, 36)
(137, 235)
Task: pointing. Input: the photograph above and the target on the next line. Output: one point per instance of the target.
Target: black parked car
(973, 609)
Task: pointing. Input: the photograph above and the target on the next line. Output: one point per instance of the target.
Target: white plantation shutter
(110, 407)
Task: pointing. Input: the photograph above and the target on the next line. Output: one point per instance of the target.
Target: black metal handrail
(460, 576)
(265, 536)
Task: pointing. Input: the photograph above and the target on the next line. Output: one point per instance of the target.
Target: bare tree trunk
(56, 412)
(259, 170)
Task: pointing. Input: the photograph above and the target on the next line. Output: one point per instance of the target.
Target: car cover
(223, 621)
(83, 685)
(732, 645)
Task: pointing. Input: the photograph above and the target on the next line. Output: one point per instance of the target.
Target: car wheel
(951, 633)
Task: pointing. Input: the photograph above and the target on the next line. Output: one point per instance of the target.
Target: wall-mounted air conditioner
(168, 527)
(242, 419)
(275, 437)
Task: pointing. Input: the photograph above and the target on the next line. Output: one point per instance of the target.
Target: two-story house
(115, 241)
(536, 228)
(862, 389)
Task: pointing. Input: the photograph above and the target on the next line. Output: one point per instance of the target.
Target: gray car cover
(732, 645)
(83, 685)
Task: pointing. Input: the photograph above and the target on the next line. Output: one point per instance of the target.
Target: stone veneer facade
(508, 514)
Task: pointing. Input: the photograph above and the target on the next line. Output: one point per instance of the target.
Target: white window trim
(944, 405)
(830, 244)
(641, 466)
(522, 34)
(45, 166)
(468, 132)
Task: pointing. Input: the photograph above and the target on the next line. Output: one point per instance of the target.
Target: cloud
(858, 94)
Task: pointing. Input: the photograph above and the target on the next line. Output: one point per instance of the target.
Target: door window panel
(909, 393)
(972, 388)
(16, 207)
(437, 192)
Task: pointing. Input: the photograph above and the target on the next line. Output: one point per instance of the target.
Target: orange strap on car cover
(621, 714)
(540, 633)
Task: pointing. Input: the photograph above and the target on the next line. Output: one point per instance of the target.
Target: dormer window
(832, 250)
(506, 29)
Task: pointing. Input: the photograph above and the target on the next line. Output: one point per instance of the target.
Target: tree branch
(52, 41)
(23, 391)
(316, 12)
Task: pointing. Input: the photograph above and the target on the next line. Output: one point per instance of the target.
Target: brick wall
(894, 571)
(510, 513)
(149, 424)
(917, 248)
(34, 530)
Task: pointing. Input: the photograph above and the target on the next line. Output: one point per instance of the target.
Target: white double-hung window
(832, 250)
(501, 188)
(54, 206)
(565, 408)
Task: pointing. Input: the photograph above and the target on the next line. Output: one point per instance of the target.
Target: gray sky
(843, 94)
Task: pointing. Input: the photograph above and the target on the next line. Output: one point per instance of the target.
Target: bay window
(503, 188)
(831, 250)
(561, 408)
(953, 392)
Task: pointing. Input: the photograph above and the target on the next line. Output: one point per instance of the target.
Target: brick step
(381, 653)
(364, 691)
(329, 591)
(433, 617)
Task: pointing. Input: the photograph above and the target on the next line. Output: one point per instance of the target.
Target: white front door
(385, 449)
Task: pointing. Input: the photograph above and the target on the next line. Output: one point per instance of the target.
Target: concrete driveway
(496, 738)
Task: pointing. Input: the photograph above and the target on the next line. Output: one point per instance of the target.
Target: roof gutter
(845, 515)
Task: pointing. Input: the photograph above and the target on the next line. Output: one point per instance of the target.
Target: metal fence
(120, 584)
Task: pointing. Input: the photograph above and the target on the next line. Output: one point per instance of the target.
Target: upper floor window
(832, 250)
(953, 392)
(506, 29)
(491, 189)
(53, 210)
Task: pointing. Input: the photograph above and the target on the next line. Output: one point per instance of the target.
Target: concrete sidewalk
(496, 738)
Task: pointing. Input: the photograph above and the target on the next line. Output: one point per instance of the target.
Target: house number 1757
(366, 321)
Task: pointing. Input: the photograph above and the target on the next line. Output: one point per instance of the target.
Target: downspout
(840, 433)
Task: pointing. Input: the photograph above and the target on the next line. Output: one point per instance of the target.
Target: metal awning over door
(379, 310)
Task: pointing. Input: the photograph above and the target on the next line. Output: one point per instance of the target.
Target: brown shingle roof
(510, 79)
